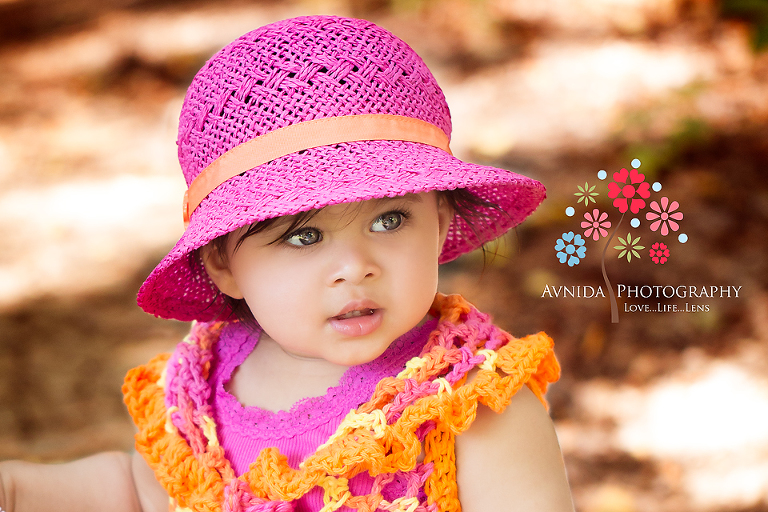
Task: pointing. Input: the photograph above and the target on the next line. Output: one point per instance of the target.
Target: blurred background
(658, 412)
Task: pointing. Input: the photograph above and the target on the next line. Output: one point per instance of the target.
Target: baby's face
(347, 283)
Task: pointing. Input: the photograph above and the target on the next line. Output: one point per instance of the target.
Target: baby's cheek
(422, 280)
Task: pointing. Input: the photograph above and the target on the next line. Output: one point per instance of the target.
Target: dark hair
(464, 204)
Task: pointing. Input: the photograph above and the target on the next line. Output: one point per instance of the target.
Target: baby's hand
(112, 481)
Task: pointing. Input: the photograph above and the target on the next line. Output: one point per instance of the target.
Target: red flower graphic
(665, 215)
(596, 225)
(628, 190)
(659, 253)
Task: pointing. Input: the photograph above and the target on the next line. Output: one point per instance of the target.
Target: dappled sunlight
(723, 410)
(594, 16)
(664, 413)
(709, 419)
(595, 83)
(733, 481)
(81, 235)
(155, 37)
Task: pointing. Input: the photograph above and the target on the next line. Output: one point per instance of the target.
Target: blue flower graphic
(570, 248)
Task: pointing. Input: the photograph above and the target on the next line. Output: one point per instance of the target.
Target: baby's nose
(353, 264)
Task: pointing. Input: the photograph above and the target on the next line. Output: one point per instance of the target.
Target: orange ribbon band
(305, 135)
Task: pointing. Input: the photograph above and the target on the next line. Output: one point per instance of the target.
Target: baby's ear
(445, 217)
(217, 267)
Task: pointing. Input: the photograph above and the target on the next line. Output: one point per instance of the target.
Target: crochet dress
(357, 447)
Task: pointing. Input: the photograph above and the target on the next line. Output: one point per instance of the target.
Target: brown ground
(88, 90)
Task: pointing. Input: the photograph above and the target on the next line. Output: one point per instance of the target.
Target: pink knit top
(245, 431)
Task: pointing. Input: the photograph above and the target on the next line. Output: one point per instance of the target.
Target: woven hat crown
(298, 70)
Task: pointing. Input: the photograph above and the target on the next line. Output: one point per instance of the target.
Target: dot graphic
(682, 238)
(635, 163)
(570, 211)
(635, 222)
(602, 175)
(656, 186)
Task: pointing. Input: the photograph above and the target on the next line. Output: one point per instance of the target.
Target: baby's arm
(512, 461)
(113, 481)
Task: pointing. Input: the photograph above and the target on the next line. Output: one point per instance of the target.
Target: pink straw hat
(315, 111)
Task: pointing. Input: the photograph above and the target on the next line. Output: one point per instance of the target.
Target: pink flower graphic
(628, 190)
(595, 224)
(659, 253)
(665, 216)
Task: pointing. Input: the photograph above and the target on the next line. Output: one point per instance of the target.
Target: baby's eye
(388, 222)
(305, 236)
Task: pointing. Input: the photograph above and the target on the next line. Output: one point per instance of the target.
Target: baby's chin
(357, 358)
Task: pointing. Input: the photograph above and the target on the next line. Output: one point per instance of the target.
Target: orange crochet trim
(197, 475)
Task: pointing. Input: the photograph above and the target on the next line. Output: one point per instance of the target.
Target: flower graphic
(639, 198)
(628, 190)
(586, 194)
(659, 253)
(665, 216)
(570, 248)
(629, 247)
(596, 225)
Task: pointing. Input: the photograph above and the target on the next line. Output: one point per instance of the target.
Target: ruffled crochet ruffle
(425, 405)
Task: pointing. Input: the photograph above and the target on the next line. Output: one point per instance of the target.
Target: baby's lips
(358, 325)
(356, 305)
(362, 312)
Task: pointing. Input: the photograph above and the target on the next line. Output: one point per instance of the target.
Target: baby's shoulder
(515, 454)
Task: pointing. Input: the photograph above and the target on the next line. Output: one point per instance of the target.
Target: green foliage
(754, 12)
(690, 133)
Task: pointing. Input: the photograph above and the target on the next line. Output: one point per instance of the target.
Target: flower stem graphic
(614, 305)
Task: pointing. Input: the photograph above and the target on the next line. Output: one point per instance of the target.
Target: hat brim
(179, 287)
